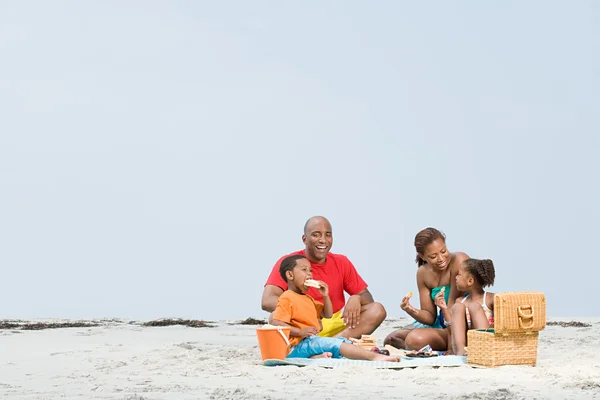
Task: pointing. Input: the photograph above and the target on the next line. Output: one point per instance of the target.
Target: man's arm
(269, 298)
(365, 297)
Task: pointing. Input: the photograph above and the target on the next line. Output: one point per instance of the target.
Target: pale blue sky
(157, 158)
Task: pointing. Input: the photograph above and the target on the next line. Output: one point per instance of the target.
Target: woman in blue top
(436, 281)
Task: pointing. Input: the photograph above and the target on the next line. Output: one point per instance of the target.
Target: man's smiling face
(318, 239)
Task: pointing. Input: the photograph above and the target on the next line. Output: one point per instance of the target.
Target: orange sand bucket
(273, 341)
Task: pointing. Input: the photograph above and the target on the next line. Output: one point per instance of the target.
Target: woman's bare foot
(323, 355)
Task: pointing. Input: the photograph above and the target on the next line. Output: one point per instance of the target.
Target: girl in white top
(476, 309)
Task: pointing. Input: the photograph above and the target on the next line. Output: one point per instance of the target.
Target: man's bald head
(315, 219)
(318, 239)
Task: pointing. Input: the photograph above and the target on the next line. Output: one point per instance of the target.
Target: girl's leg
(459, 328)
(478, 318)
(358, 353)
(421, 337)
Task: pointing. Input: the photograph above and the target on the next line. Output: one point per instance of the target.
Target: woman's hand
(405, 306)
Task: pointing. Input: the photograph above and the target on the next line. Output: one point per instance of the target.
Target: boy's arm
(293, 330)
(327, 308)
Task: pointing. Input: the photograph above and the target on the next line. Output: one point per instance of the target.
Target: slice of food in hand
(409, 295)
(312, 283)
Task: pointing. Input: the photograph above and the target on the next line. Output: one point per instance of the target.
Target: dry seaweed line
(192, 323)
(250, 321)
(42, 325)
(574, 324)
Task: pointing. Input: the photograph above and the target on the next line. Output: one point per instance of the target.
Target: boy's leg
(358, 353)
(310, 347)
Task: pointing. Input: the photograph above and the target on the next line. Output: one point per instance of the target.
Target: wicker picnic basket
(518, 318)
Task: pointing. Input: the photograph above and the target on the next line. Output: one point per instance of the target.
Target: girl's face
(464, 280)
(301, 272)
(437, 255)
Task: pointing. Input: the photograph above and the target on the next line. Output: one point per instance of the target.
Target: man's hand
(323, 288)
(351, 314)
(308, 331)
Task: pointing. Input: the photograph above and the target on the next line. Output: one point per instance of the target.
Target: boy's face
(301, 272)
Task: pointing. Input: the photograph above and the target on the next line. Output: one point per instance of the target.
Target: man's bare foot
(381, 357)
(323, 355)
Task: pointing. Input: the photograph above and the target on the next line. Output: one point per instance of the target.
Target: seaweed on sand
(571, 324)
(192, 323)
(251, 321)
(36, 326)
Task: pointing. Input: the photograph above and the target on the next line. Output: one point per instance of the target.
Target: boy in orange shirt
(300, 312)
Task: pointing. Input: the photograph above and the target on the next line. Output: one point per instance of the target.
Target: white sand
(126, 361)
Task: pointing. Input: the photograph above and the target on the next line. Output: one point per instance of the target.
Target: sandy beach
(125, 360)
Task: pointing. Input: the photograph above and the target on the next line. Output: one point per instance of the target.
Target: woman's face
(464, 280)
(437, 255)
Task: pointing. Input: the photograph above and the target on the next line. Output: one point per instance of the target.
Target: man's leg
(371, 316)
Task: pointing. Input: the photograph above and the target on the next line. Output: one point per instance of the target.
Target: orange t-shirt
(299, 311)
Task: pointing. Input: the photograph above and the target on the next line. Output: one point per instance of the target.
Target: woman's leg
(421, 337)
(397, 338)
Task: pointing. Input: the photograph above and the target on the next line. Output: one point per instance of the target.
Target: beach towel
(405, 362)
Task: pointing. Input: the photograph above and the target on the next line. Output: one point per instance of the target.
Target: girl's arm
(490, 300)
(454, 292)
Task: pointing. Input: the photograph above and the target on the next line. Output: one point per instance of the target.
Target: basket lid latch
(525, 313)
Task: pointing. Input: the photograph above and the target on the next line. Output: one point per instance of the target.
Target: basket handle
(283, 335)
(523, 315)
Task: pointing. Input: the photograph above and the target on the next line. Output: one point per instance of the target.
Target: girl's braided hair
(482, 270)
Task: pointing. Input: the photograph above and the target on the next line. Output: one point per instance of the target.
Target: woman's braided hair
(482, 270)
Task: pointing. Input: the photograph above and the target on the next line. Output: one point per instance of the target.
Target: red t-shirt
(337, 272)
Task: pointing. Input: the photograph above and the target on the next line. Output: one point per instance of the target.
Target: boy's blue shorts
(315, 345)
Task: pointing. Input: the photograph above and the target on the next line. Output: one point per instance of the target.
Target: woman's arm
(427, 314)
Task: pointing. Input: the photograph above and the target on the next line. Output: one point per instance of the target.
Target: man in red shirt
(361, 314)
